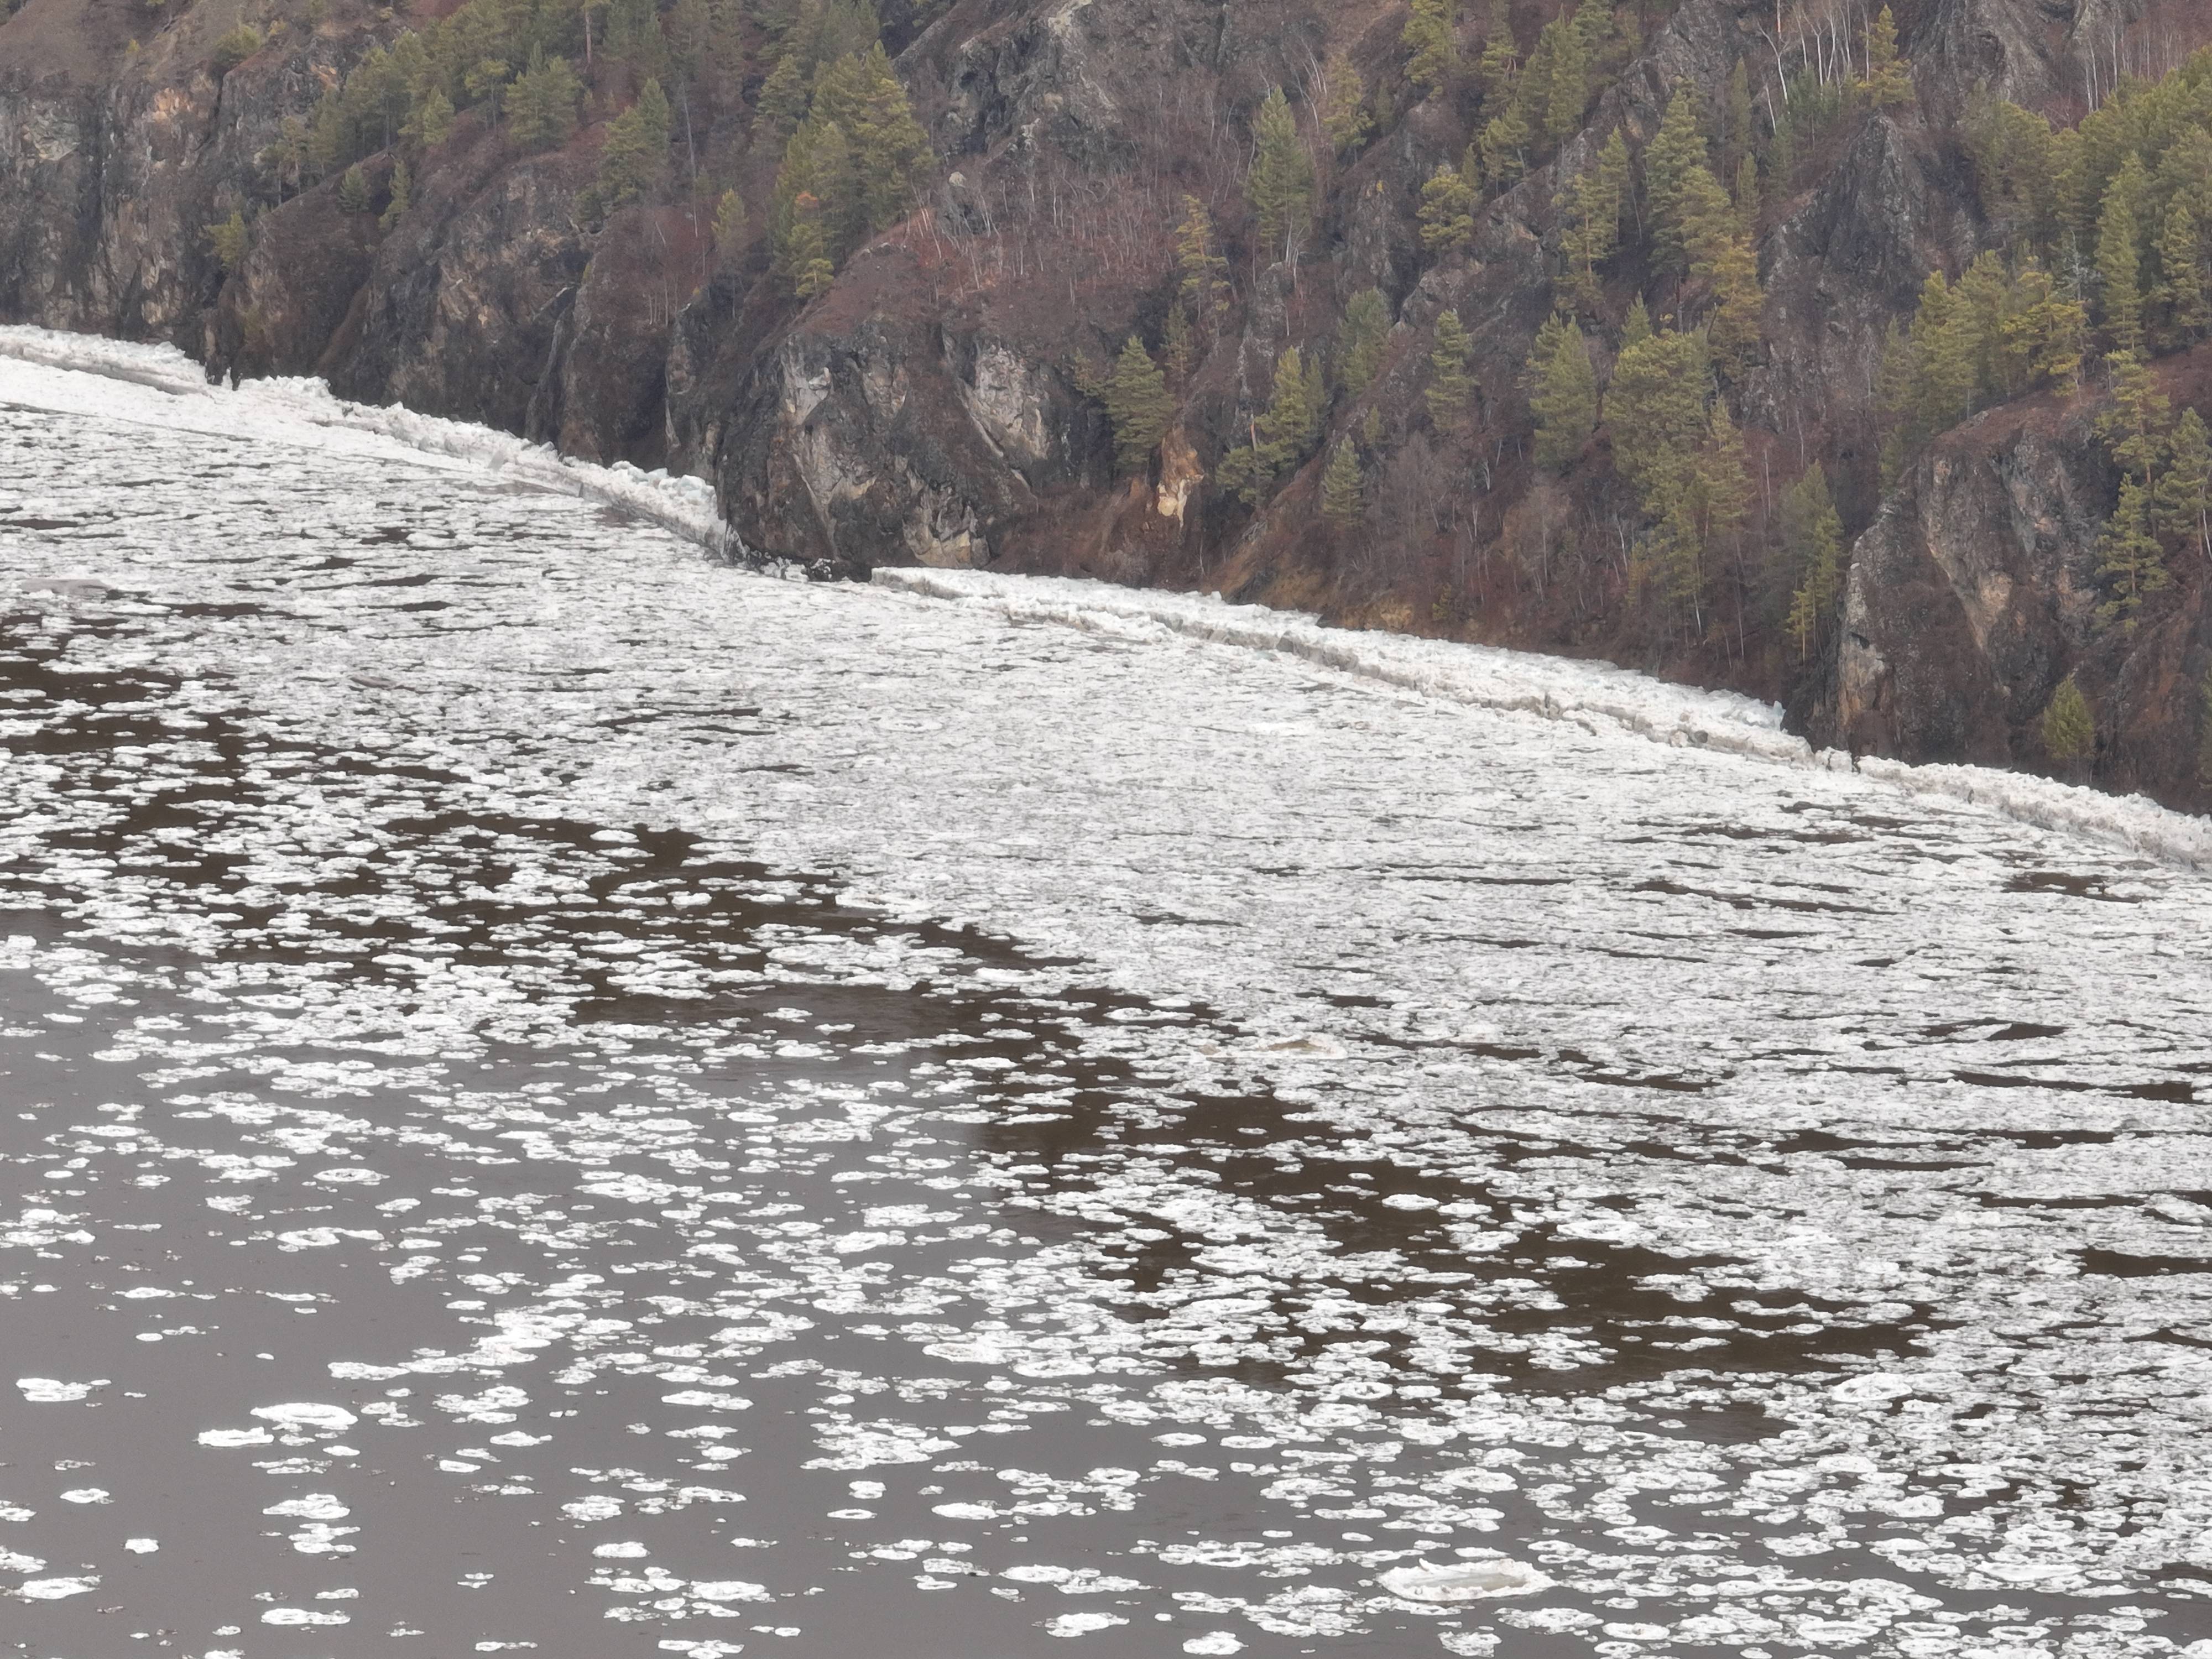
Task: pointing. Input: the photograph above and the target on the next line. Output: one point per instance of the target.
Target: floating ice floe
(47, 1391)
(1212, 1644)
(305, 1417)
(55, 1590)
(1464, 1581)
(1082, 1623)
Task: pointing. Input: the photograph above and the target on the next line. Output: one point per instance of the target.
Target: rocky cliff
(937, 402)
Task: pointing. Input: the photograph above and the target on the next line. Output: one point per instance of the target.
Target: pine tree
(1669, 160)
(1450, 386)
(636, 146)
(1501, 59)
(1637, 329)
(1594, 204)
(1813, 556)
(1138, 403)
(2119, 263)
(2134, 428)
(1562, 392)
(401, 186)
(1280, 184)
(230, 240)
(1177, 347)
(2069, 729)
(1503, 145)
(2181, 273)
(1344, 118)
(1204, 287)
(1342, 501)
(729, 222)
(1430, 38)
(1655, 408)
(810, 209)
(541, 104)
(1284, 435)
(890, 151)
(781, 105)
(353, 192)
(1888, 82)
(1447, 211)
(1360, 344)
(1735, 327)
(431, 120)
(1569, 91)
(2181, 505)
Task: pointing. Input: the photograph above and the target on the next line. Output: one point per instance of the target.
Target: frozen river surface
(560, 1098)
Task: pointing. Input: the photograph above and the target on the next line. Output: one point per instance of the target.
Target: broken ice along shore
(564, 1087)
(296, 410)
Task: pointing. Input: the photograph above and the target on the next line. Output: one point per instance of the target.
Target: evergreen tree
(2069, 729)
(1342, 500)
(636, 146)
(1360, 344)
(1204, 287)
(2181, 274)
(1562, 392)
(1812, 555)
(1668, 162)
(1430, 37)
(1284, 435)
(1344, 118)
(890, 151)
(1568, 92)
(808, 213)
(1503, 145)
(1447, 211)
(2119, 267)
(353, 192)
(1450, 386)
(781, 105)
(729, 222)
(2129, 557)
(1178, 348)
(230, 240)
(541, 104)
(2134, 428)
(1655, 408)
(1138, 403)
(1280, 184)
(1888, 82)
(1734, 328)
(1637, 329)
(431, 120)
(1594, 204)
(2181, 505)
(1501, 59)
(401, 186)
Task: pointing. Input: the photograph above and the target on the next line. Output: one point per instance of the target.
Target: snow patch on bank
(1591, 694)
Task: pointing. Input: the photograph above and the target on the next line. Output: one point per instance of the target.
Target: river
(556, 1096)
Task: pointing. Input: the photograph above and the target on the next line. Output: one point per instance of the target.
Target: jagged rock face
(1975, 593)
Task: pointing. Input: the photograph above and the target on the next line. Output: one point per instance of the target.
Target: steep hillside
(1589, 327)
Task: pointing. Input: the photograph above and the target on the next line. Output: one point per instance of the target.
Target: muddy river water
(558, 1098)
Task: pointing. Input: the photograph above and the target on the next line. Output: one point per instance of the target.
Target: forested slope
(1842, 354)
